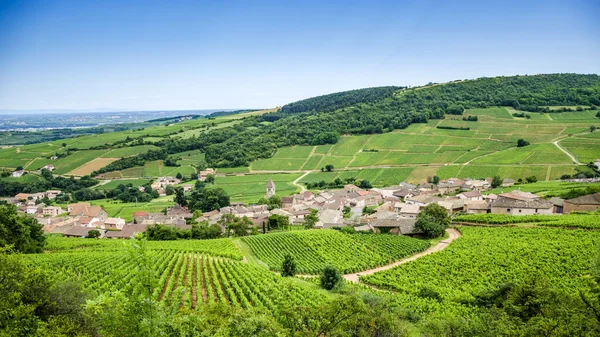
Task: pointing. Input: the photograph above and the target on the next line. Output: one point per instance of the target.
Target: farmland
(486, 258)
(488, 148)
(412, 154)
(315, 249)
(190, 275)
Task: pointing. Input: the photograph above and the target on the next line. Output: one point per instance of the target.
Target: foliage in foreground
(20, 232)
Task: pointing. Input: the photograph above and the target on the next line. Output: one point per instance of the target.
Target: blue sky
(153, 55)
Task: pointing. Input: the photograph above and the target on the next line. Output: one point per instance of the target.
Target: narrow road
(295, 182)
(566, 152)
(454, 234)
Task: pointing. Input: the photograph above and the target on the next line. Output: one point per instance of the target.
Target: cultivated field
(190, 274)
(422, 150)
(486, 258)
(92, 166)
(313, 249)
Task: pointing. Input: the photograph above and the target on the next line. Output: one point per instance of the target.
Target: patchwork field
(488, 148)
(421, 150)
(91, 166)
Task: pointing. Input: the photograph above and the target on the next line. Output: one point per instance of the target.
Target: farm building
(586, 203)
(521, 203)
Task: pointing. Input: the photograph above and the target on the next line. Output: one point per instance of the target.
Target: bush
(288, 267)
(522, 142)
(94, 233)
(330, 277)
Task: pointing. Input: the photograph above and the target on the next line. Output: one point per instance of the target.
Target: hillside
(385, 135)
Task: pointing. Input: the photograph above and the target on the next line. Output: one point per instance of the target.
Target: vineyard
(186, 280)
(486, 258)
(312, 250)
(574, 220)
(215, 247)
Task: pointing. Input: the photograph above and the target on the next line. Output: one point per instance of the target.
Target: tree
(24, 234)
(593, 128)
(311, 219)
(330, 277)
(522, 142)
(92, 234)
(33, 304)
(210, 179)
(234, 225)
(433, 220)
(365, 184)
(19, 168)
(64, 144)
(178, 175)
(347, 212)
(455, 109)
(496, 181)
(329, 167)
(435, 180)
(208, 199)
(531, 179)
(180, 197)
(278, 221)
(288, 267)
(169, 190)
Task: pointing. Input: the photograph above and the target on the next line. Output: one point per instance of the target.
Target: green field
(128, 151)
(252, 187)
(486, 258)
(488, 148)
(114, 183)
(312, 250)
(73, 161)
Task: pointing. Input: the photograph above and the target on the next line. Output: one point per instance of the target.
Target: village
(391, 209)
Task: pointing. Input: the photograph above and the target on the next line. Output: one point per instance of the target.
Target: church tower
(270, 188)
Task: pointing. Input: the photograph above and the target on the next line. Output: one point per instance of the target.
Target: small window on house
(536, 210)
(508, 209)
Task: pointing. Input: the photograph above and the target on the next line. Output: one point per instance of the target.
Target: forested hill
(339, 100)
(529, 93)
(380, 110)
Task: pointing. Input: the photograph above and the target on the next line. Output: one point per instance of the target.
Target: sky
(172, 55)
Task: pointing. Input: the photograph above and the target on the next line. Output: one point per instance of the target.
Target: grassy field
(114, 183)
(252, 187)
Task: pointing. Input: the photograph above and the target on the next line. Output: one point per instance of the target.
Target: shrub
(522, 142)
(330, 277)
(288, 267)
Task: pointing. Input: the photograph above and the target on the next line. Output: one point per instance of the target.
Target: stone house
(586, 203)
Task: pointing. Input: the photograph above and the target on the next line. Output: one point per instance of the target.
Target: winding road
(295, 182)
(453, 235)
(566, 152)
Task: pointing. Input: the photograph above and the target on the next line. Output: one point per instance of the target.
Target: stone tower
(270, 188)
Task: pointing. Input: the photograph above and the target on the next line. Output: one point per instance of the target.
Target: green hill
(385, 135)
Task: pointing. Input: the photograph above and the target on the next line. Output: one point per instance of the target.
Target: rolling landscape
(301, 169)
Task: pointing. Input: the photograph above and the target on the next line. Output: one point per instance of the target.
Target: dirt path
(295, 182)
(566, 152)
(454, 234)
